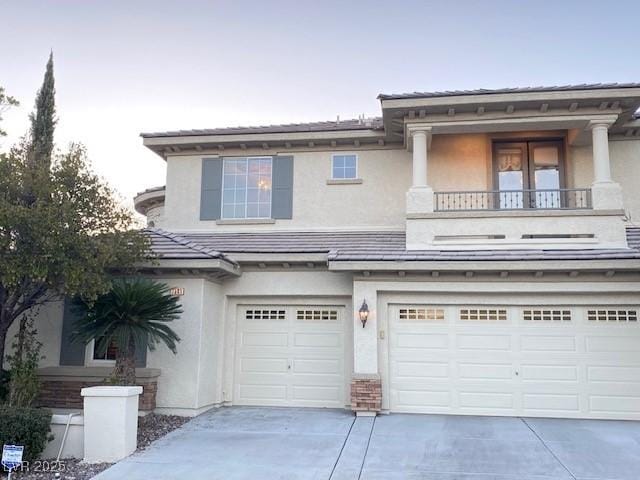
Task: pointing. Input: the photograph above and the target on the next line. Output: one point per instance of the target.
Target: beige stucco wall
(456, 162)
(48, 323)
(625, 169)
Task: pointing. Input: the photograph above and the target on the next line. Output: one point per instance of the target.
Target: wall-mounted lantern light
(364, 313)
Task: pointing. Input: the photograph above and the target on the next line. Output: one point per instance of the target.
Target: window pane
(247, 180)
(350, 172)
(338, 161)
(253, 210)
(350, 161)
(338, 172)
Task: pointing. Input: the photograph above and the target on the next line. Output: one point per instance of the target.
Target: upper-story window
(246, 187)
(344, 166)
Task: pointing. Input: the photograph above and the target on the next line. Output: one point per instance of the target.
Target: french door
(528, 174)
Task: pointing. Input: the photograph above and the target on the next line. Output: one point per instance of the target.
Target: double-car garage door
(556, 361)
(290, 355)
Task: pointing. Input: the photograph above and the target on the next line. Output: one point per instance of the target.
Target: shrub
(4, 386)
(30, 427)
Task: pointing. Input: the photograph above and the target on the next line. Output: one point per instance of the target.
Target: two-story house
(467, 252)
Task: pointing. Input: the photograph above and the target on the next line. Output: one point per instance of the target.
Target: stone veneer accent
(60, 386)
(366, 393)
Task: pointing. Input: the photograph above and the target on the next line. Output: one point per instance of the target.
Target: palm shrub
(133, 315)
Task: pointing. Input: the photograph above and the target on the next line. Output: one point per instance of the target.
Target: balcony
(505, 200)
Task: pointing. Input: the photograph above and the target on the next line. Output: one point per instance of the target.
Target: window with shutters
(612, 315)
(246, 187)
(421, 314)
(546, 315)
(482, 314)
(265, 314)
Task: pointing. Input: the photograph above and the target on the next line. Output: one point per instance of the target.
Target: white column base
(110, 423)
(420, 200)
(606, 196)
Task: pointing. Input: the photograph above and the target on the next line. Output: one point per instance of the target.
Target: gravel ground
(150, 428)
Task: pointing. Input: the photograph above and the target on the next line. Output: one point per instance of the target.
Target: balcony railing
(560, 199)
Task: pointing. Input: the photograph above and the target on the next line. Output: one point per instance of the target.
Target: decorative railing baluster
(543, 199)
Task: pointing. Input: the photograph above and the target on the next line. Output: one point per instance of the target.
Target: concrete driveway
(241, 443)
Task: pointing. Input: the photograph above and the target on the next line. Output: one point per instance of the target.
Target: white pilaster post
(606, 194)
(419, 158)
(110, 422)
(420, 195)
(366, 388)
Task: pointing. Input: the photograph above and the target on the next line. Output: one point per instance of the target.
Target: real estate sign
(12, 456)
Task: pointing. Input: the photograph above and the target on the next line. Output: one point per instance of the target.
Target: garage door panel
(290, 356)
(569, 403)
(263, 365)
(613, 373)
(470, 371)
(613, 404)
(264, 393)
(421, 369)
(614, 344)
(483, 342)
(486, 400)
(422, 340)
(418, 400)
(318, 366)
(547, 343)
(265, 339)
(537, 361)
(317, 395)
(549, 372)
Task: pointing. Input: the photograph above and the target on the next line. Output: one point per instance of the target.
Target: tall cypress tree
(43, 122)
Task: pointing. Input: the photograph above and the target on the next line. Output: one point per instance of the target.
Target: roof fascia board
(486, 266)
(488, 98)
(193, 264)
(262, 137)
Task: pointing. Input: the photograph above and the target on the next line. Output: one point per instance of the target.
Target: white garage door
(290, 356)
(503, 360)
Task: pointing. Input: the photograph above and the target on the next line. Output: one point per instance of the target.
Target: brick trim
(366, 393)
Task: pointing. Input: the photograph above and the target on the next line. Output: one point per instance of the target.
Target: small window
(265, 314)
(491, 314)
(426, 314)
(546, 315)
(345, 167)
(109, 354)
(246, 187)
(612, 315)
(317, 314)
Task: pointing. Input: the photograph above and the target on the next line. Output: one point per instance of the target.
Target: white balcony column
(419, 158)
(606, 194)
(420, 195)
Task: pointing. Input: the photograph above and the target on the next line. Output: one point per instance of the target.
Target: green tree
(132, 316)
(62, 229)
(6, 101)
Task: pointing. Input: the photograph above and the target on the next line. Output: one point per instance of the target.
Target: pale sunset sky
(125, 67)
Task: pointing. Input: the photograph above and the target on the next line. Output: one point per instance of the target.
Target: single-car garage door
(554, 361)
(290, 356)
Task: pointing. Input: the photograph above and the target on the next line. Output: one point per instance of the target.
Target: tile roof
(374, 123)
(358, 246)
(482, 91)
(168, 245)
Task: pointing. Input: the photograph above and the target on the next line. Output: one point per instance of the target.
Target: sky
(125, 67)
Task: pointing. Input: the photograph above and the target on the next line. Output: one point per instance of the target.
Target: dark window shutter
(211, 193)
(141, 357)
(71, 353)
(282, 192)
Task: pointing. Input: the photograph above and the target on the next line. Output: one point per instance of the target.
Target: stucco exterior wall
(179, 385)
(49, 326)
(456, 163)
(625, 169)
